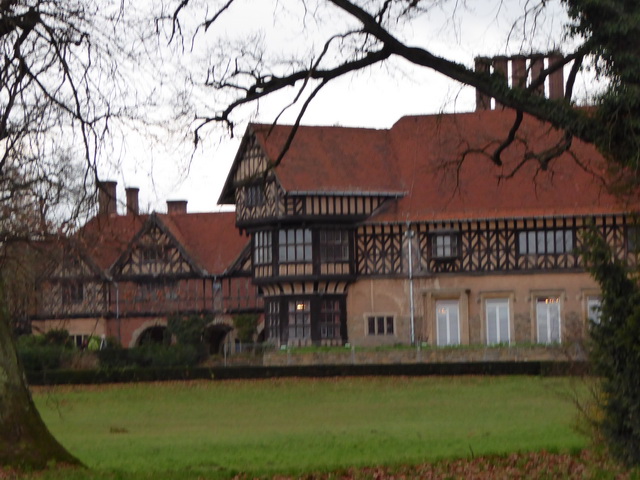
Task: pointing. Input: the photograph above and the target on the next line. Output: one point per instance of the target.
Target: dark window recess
(445, 246)
(334, 246)
(380, 325)
(294, 245)
(541, 242)
(255, 196)
(72, 293)
(152, 254)
(330, 319)
(262, 248)
(633, 239)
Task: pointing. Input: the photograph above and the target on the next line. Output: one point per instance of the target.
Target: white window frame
(500, 303)
(443, 307)
(545, 305)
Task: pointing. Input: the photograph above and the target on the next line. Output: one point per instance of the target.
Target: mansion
(416, 233)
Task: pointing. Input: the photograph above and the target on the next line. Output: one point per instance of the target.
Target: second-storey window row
(295, 245)
(540, 242)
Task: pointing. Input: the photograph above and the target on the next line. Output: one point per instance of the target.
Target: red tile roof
(211, 240)
(331, 159)
(420, 156)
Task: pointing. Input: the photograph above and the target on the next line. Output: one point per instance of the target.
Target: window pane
(548, 319)
(497, 317)
(447, 322)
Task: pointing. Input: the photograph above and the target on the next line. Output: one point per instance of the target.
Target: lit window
(444, 246)
(548, 320)
(497, 317)
(294, 245)
(299, 319)
(380, 325)
(447, 322)
(540, 242)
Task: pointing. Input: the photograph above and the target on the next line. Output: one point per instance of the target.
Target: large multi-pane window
(262, 248)
(294, 245)
(272, 320)
(447, 322)
(497, 319)
(548, 319)
(445, 245)
(299, 319)
(540, 242)
(334, 246)
(330, 319)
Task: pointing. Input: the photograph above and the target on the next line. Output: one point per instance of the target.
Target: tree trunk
(25, 440)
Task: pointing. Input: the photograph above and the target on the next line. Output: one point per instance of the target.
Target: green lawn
(214, 429)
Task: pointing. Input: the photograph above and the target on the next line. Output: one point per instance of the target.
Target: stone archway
(215, 335)
(157, 335)
(150, 332)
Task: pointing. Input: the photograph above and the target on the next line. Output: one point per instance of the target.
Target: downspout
(115, 284)
(410, 234)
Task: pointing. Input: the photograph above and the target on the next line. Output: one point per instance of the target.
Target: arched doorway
(214, 337)
(156, 335)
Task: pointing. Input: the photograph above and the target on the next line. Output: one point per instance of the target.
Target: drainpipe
(115, 284)
(410, 234)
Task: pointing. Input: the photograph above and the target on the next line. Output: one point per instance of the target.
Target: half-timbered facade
(413, 234)
(123, 276)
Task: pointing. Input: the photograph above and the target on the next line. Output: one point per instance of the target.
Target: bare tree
(65, 83)
(358, 35)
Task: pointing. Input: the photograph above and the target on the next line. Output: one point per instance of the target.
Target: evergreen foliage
(246, 325)
(615, 350)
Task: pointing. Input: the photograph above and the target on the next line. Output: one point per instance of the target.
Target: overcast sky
(374, 98)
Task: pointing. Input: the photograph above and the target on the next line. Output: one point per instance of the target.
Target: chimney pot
(556, 79)
(133, 206)
(107, 198)
(483, 102)
(176, 207)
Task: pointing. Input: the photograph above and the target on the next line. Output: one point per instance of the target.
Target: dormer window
(445, 246)
(72, 293)
(153, 254)
(254, 196)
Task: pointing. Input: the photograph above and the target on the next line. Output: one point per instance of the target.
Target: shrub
(614, 351)
(246, 325)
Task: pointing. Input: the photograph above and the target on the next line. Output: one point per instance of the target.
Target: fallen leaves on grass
(524, 466)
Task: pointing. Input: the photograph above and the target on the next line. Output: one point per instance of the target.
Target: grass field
(216, 429)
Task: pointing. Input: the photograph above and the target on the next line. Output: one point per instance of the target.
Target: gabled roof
(419, 159)
(325, 160)
(210, 242)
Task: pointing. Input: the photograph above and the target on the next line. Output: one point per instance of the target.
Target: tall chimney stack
(176, 207)
(133, 206)
(107, 198)
(556, 79)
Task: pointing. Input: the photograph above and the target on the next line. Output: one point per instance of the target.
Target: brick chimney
(133, 206)
(176, 207)
(521, 71)
(107, 198)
